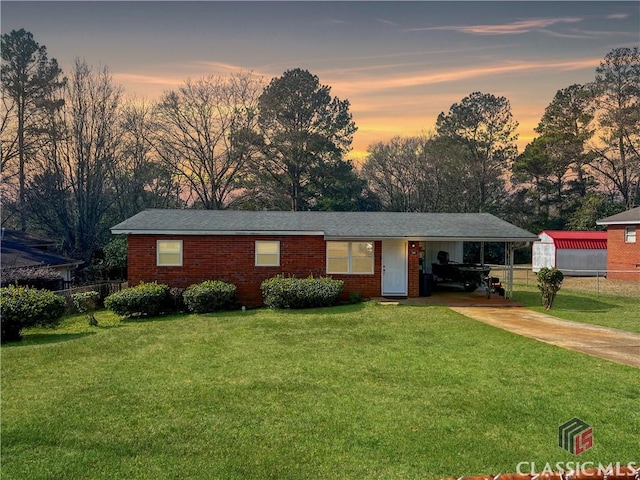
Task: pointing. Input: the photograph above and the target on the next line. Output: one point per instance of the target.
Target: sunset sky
(398, 63)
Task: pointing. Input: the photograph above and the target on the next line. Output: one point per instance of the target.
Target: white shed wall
(543, 253)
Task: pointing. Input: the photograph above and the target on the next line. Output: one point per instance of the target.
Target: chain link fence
(596, 282)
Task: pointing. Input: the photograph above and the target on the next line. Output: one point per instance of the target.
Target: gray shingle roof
(630, 217)
(15, 255)
(369, 225)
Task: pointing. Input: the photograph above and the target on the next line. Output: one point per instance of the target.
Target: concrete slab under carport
(459, 298)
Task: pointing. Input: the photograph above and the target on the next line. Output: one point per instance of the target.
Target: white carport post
(509, 259)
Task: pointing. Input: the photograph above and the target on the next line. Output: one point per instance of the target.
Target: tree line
(78, 156)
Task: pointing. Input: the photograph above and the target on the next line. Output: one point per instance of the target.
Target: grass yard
(361, 392)
(618, 312)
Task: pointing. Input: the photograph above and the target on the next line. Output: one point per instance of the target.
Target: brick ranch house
(623, 249)
(374, 253)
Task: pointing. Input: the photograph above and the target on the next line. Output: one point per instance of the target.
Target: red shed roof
(580, 240)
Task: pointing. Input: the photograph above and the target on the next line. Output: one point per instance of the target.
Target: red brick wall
(621, 255)
(232, 258)
(414, 269)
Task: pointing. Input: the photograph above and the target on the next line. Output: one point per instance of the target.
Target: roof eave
(321, 233)
(620, 222)
(125, 231)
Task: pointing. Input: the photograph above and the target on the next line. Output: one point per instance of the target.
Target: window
(350, 257)
(630, 235)
(267, 253)
(169, 253)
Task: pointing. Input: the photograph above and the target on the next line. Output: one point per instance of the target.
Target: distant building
(623, 261)
(21, 250)
(581, 253)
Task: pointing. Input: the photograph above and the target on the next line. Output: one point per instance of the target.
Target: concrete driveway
(615, 345)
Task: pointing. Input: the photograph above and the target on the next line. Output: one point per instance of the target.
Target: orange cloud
(407, 80)
(522, 26)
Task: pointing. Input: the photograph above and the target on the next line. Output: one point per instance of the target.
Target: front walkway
(608, 343)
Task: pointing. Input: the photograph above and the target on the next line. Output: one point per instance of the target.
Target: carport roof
(332, 225)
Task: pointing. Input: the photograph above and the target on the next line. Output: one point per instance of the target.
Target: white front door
(394, 267)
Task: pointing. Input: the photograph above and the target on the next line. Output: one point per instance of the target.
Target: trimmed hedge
(22, 307)
(146, 299)
(292, 292)
(40, 277)
(209, 296)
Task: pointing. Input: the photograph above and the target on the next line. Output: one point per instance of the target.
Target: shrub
(39, 277)
(87, 303)
(176, 301)
(355, 297)
(22, 307)
(549, 281)
(115, 257)
(291, 292)
(145, 299)
(209, 296)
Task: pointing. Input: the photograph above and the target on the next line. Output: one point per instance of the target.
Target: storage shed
(579, 254)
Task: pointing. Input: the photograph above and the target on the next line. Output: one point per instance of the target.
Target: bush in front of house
(175, 300)
(22, 307)
(549, 282)
(146, 299)
(209, 296)
(87, 303)
(292, 292)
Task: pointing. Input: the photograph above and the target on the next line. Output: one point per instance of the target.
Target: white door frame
(395, 253)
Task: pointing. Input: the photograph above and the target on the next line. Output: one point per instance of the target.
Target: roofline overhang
(322, 234)
(227, 233)
(621, 222)
(441, 239)
(40, 264)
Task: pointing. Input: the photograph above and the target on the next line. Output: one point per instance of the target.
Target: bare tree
(72, 193)
(419, 174)
(139, 179)
(201, 135)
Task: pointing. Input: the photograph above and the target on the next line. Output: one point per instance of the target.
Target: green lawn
(618, 312)
(365, 391)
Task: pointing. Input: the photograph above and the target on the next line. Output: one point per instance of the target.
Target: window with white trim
(350, 257)
(267, 253)
(169, 253)
(630, 235)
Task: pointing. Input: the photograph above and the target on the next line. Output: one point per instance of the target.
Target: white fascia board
(435, 239)
(625, 222)
(214, 233)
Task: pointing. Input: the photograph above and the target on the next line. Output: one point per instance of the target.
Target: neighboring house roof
(15, 255)
(578, 240)
(332, 225)
(630, 217)
(26, 239)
